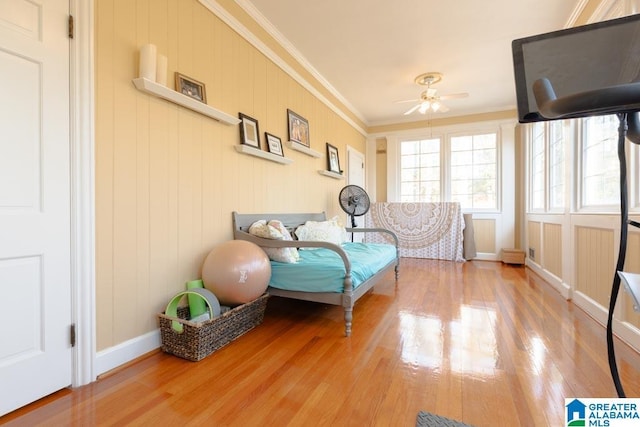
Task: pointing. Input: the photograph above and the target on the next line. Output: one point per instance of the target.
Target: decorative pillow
(278, 225)
(268, 231)
(331, 231)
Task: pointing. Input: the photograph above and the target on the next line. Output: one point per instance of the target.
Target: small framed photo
(333, 161)
(249, 134)
(190, 87)
(298, 129)
(274, 144)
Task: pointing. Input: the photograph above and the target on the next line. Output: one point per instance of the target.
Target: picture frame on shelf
(274, 144)
(191, 88)
(298, 129)
(249, 133)
(333, 160)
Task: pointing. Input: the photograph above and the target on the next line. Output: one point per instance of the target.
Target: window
(556, 165)
(547, 166)
(474, 169)
(420, 170)
(537, 166)
(600, 169)
(462, 168)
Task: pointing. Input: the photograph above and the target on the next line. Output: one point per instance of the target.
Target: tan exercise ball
(237, 272)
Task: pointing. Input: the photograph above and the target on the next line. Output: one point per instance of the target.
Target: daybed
(326, 272)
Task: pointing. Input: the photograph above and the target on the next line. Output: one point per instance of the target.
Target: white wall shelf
(301, 148)
(153, 88)
(331, 174)
(251, 151)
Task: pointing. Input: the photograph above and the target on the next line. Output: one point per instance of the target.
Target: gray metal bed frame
(347, 299)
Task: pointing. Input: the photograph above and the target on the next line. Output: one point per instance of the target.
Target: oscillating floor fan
(355, 202)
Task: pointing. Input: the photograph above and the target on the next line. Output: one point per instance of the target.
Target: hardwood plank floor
(481, 342)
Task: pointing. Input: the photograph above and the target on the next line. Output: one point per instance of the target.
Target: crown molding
(215, 8)
(577, 10)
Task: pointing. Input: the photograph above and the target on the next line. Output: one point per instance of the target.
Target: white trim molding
(125, 352)
(82, 192)
(215, 8)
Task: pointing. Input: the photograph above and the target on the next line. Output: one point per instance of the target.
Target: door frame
(82, 143)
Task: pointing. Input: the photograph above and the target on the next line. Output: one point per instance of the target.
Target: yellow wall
(484, 234)
(167, 179)
(595, 263)
(535, 240)
(381, 170)
(552, 248)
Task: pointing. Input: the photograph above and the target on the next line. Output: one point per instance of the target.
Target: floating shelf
(245, 149)
(153, 88)
(631, 282)
(331, 174)
(301, 148)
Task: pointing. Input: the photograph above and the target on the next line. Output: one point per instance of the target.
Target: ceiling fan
(429, 100)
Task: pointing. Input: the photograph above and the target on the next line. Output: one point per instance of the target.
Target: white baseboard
(563, 288)
(625, 331)
(628, 333)
(591, 307)
(486, 256)
(127, 351)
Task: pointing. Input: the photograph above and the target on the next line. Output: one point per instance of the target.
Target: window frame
(581, 206)
(530, 175)
(445, 159)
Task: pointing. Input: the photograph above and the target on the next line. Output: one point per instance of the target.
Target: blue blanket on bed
(322, 270)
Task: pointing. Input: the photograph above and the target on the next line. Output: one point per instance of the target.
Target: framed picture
(274, 144)
(249, 134)
(298, 129)
(190, 87)
(333, 161)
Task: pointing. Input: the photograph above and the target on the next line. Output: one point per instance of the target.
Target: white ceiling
(370, 51)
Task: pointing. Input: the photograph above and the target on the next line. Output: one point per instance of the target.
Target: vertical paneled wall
(484, 234)
(582, 267)
(167, 178)
(595, 262)
(552, 248)
(535, 241)
(632, 264)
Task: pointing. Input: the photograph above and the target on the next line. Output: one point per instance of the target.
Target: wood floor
(479, 342)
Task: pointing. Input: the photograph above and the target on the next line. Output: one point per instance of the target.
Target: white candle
(148, 62)
(161, 70)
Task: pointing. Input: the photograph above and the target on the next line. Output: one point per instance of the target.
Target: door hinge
(72, 334)
(71, 28)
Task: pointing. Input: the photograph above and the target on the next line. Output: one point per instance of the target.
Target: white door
(356, 176)
(35, 287)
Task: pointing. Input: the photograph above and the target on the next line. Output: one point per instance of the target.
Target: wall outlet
(532, 253)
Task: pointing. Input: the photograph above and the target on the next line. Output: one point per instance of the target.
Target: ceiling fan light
(435, 106)
(424, 107)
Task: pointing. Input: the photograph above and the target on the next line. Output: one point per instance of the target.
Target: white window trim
(444, 132)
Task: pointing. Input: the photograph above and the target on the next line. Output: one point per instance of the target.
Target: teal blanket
(322, 270)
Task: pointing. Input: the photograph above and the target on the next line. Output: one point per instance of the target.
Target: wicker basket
(198, 340)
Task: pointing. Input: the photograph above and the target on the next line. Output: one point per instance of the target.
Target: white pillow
(262, 229)
(330, 231)
(278, 225)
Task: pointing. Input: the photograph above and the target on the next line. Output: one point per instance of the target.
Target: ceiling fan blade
(406, 100)
(414, 108)
(443, 108)
(454, 95)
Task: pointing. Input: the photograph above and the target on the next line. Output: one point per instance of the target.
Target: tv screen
(578, 60)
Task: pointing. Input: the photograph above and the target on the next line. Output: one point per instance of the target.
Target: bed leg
(348, 317)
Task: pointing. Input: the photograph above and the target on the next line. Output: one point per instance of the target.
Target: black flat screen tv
(578, 60)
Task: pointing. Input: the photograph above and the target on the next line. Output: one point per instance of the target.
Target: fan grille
(354, 200)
